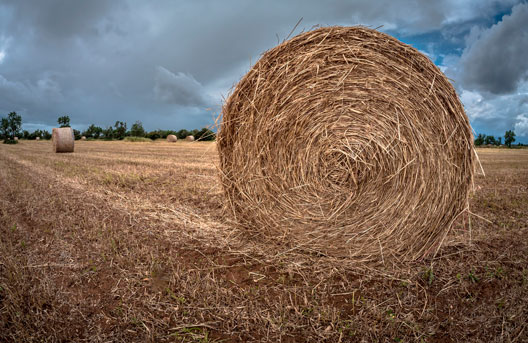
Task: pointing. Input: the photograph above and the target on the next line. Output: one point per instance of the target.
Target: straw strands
(172, 138)
(345, 141)
(63, 139)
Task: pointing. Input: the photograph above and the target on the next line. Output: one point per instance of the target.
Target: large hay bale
(189, 138)
(63, 139)
(37, 138)
(172, 138)
(83, 138)
(16, 138)
(349, 142)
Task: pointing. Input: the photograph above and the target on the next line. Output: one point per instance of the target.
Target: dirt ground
(129, 242)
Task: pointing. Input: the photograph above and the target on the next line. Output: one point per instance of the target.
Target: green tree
(64, 121)
(498, 141)
(480, 139)
(10, 127)
(137, 129)
(205, 135)
(76, 134)
(153, 135)
(509, 138)
(182, 134)
(93, 131)
(15, 123)
(120, 129)
(36, 133)
(108, 133)
(489, 140)
(4, 129)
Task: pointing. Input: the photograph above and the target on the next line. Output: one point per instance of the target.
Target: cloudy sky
(170, 63)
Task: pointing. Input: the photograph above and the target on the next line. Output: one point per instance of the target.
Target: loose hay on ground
(346, 141)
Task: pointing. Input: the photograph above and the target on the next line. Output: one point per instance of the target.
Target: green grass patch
(137, 139)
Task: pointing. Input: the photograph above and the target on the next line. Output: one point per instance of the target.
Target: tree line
(483, 139)
(11, 127)
(12, 124)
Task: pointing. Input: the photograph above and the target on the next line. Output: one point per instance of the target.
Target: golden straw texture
(189, 138)
(172, 138)
(62, 139)
(346, 141)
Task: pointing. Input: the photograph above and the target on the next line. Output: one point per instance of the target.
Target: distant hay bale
(16, 138)
(345, 141)
(38, 138)
(63, 139)
(83, 138)
(172, 138)
(189, 138)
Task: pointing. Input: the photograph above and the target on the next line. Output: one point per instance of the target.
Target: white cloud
(495, 114)
(475, 106)
(521, 126)
(495, 58)
(4, 45)
(457, 11)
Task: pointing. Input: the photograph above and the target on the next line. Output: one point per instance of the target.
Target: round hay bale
(16, 138)
(346, 141)
(172, 138)
(37, 138)
(189, 138)
(83, 138)
(63, 139)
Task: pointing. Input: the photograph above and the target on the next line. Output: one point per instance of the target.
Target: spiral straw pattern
(345, 141)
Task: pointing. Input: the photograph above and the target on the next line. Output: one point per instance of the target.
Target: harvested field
(129, 242)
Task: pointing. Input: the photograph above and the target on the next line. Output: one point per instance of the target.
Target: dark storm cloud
(165, 62)
(498, 59)
(58, 19)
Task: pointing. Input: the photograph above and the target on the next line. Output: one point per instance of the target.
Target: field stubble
(129, 242)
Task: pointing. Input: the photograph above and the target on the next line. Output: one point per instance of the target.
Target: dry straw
(63, 139)
(345, 141)
(172, 138)
(189, 138)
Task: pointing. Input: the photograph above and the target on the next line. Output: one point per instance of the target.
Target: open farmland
(130, 242)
